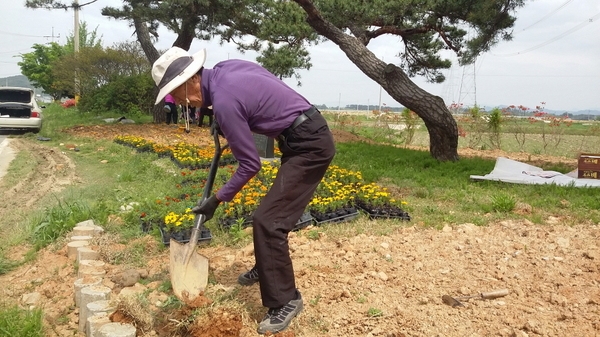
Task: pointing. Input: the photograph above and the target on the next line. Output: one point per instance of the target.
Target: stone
(114, 329)
(31, 298)
(73, 246)
(126, 278)
(83, 231)
(94, 323)
(86, 253)
(82, 283)
(91, 267)
(88, 295)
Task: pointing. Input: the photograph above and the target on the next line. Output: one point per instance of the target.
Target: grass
(438, 193)
(15, 321)
(441, 192)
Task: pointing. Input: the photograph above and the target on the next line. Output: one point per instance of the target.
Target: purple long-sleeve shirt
(246, 99)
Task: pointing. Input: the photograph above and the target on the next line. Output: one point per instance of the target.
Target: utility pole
(380, 94)
(52, 36)
(76, 44)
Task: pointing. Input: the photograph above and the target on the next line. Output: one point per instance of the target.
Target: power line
(572, 30)
(14, 51)
(547, 15)
(22, 35)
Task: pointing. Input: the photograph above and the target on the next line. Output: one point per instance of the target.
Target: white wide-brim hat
(173, 68)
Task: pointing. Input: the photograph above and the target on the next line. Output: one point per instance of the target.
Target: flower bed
(183, 154)
(338, 197)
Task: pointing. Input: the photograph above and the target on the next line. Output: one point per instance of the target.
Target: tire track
(52, 171)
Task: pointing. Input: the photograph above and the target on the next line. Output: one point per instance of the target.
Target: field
(360, 278)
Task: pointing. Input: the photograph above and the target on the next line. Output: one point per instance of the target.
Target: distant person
(170, 109)
(246, 99)
(205, 111)
(188, 112)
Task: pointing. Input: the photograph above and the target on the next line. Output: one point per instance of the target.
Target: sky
(552, 61)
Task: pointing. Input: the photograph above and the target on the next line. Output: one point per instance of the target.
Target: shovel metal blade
(188, 269)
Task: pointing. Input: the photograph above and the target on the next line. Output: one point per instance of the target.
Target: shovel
(188, 268)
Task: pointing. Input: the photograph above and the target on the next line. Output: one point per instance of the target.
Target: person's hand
(208, 207)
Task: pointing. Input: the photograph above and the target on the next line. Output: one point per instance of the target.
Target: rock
(127, 278)
(552, 220)
(467, 227)
(592, 255)
(563, 242)
(522, 208)
(383, 276)
(558, 299)
(248, 250)
(132, 291)
(143, 272)
(534, 326)
(31, 298)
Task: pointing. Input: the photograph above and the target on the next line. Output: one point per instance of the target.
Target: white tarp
(515, 172)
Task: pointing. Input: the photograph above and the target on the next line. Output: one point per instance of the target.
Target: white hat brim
(198, 61)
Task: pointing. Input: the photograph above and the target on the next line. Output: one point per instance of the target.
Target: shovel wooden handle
(490, 295)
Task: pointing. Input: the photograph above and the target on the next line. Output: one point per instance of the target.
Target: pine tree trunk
(442, 128)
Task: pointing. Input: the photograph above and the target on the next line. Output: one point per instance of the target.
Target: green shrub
(503, 203)
(131, 96)
(494, 122)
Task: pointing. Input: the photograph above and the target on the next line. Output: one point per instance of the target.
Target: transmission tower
(449, 88)
(468, 86)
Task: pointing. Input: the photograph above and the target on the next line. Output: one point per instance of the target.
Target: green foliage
(442, 192)
(313, 234)
(37, 66)
(6, 265)
(236, 231)
(87, 39)
(494, 122)
(96, 66)
(285, 61)
(411, 120)
(126, 95)
(374, 312)
(473, 126)
(503, 203)
(15, 321)
(57, 221)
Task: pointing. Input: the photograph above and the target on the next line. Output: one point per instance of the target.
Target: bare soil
(362, 285)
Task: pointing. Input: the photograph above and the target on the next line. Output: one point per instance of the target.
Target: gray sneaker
(278, 319)
(248, 278)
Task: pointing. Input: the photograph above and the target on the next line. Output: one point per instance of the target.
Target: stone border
(91, 297)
